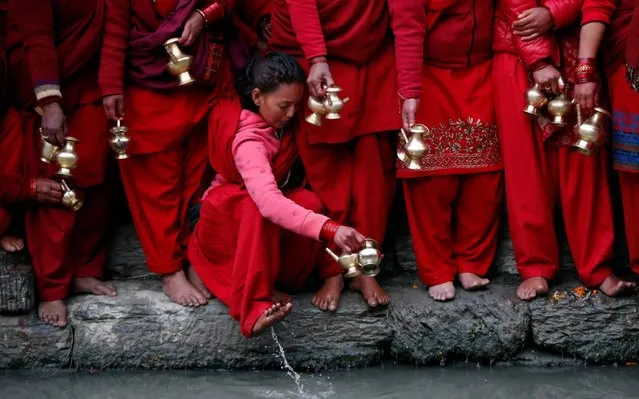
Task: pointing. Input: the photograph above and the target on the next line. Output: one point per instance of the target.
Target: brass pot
(180, 62)
(560, 106)
(333, 103)
(348, 262)
(370, 258)
(318, 111)
(592, 133)
(49, 151)
(70, 198)
(67, 158)
(414, 146)
(119, 141)
(536, 100)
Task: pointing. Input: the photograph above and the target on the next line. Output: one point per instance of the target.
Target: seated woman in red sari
(254, 231)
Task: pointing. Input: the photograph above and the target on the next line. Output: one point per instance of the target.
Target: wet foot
(328, 297)
(91, 285)
(195, 279)
(178, 288)
(442, 292)
(530, 288)
(372, 292)
(281, 297)
(472, 282)
(614, 286)
(11, 244)
(53, 313)
(271, 316)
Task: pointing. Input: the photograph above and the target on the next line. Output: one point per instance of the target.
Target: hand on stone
(409, 109)
(113, 106)
(54, 124)
(349, 239)
(48, 191)
(319, 77)
(192, 29)
(533, 23)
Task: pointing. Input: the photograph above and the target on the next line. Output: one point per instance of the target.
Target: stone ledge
(142, 329)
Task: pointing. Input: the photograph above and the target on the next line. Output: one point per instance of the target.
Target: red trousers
(355, 180)
(11, 160)
(541, 176)
(65, 244)
(165, 171)
(241, 256)
(454, 221)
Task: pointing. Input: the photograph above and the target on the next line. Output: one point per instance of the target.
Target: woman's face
(278, 107)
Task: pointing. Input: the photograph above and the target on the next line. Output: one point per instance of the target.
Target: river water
(379, 382)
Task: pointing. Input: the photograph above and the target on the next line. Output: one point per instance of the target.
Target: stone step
(17, 293)
(141, 328)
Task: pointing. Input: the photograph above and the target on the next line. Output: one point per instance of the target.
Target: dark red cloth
(632, 49)
(542, 176)
(349, 30)
(134, 35)
(454, 222)
(15, 185)
(4, 6)
(58, 43)
(614, 46)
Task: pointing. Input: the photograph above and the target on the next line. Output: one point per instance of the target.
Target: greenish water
(378, 382)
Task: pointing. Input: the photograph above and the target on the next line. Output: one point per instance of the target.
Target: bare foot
(442, 292)
(373, 294)
(530, 288)
(327, 298)
(178, 288)
(197, 283)
(274, 314)
(11, 244)
(53, 313)
(91, 285)
(614, 286)
(281, 297)
(472, 282)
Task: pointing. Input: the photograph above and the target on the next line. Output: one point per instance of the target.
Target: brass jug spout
(180, 62)
(70, 198)
(119, 141)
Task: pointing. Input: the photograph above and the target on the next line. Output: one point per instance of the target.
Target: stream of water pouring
(289, 370)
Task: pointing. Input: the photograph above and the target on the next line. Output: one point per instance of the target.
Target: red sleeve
(14, 189)
(114, 45)
(247, 34)
(564, 12)
(307, 27)
(598, 11)
(34, 19)
(408, 21)
(534, 51)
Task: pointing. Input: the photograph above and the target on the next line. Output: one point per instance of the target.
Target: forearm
(590, 39)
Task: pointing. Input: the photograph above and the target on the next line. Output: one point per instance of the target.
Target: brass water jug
(67, 157)
(536, 100)
(592, 133)
(119, 141)
(180, 62)
(348, 262)
(333, 103)
(414, 146)
(318, 111)
(49, 151)
(560, 106)
(370, 258)
(70, 198)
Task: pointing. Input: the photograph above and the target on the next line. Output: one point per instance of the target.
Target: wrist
(50, 106)
(33, 189)
(212, 13)
(329, 229)
(317, 60)
(540, 64)
(586, 70)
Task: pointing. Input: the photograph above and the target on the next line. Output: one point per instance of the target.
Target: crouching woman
(256, 232)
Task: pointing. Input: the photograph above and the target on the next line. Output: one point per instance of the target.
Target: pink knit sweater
(254, 147)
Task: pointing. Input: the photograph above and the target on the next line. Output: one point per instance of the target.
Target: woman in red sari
(255, 231)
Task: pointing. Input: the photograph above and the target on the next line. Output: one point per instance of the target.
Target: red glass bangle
(585, 72)
(212, 13)
(329, 230)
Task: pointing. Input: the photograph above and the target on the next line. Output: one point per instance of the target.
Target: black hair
(266, 73)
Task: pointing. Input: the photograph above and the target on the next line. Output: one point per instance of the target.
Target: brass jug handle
(118, 122)
(403, 134)
(65, 186)
(332, 254)
(579, 118)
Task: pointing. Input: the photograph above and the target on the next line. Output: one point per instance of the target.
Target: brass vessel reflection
(414, 147)
(180, 62)
(348, 262)
(70, 198)
(536, 100)
(333, 103)
(592, 133)
(67, 157)
(370, 258)
(49, 151)
(560, 106)
(119, 141)
(318, 111)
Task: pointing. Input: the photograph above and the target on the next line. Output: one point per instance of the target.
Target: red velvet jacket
(565, 13)
(443, 33)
